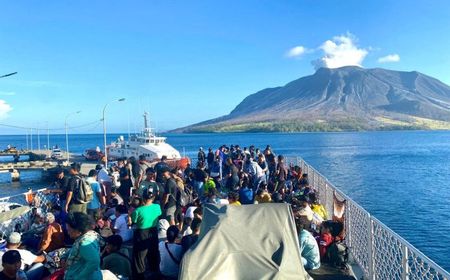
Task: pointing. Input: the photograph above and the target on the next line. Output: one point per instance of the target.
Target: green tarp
(245, 242)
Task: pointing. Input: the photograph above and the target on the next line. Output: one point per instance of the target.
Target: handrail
(379, 251)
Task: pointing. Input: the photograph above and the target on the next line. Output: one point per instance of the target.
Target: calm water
(401, 177)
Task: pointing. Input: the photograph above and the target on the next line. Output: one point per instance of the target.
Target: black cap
(98, 167)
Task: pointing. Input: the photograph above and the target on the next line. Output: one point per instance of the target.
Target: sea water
(400, 177)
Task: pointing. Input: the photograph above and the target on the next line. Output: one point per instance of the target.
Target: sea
(400, 177)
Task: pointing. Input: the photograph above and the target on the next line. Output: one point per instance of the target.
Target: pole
(104, 130)
(31, 139)
(38, 139)
(67, 134)
(104, 137)
(48, 140)
(26, 138)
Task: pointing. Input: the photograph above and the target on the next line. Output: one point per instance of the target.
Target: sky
(189, 61)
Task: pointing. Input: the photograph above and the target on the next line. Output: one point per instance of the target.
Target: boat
(146, 143)
(93, 154)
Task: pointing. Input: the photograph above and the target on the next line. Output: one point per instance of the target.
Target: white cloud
(389, 58)
(7, 93)
(340, 51)
(5, 108)
(296, 52)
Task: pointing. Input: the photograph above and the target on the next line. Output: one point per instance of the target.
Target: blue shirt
(95, 202)
(309, 250)
(246, 196)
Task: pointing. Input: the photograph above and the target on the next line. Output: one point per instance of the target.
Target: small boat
(146, 143)
(93, 154)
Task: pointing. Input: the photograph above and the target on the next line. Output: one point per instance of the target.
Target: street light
(104, 130)
(67, 136)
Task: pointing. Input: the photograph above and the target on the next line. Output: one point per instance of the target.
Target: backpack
(184, 194)
(337, 254)
(84, 193)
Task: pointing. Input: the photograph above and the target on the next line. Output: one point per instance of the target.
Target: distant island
(343, 99)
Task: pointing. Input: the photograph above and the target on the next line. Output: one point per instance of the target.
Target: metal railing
(379, 251)
(38, 199)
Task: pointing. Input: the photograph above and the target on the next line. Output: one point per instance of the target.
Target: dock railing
(376, 249)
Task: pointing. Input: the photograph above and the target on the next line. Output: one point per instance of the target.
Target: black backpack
(83, 193)
(337, 254)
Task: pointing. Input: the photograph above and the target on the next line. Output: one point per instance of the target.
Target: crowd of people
(137, 220)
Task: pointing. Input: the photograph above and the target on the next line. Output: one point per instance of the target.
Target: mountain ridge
(346, 98)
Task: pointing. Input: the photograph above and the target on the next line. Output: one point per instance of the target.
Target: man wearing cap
(28, 258)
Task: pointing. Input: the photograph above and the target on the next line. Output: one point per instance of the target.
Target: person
(188, 240)
(199, 177)
(201, 155)
(72, 204)
(121, 224)
(169, 203)
(246, 195)
(28, 259)
(125, 177)
(159, 167)
(231, 175)
(233, 198)
(281, 173)
(150, 182)
(145, 236)
(317, 207)
(309, 249)
(143, 166)
(115, 258)
(210, 157)
(209, 186)
(53, 237)
(94, 206)
(170, 254)
(11, 263)
(104, 180)
(325, 239)
(82, 261)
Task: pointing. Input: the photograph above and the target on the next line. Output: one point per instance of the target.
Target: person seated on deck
(263, 195)
(246, 195)
(53, 237)
(121, 224)
(82, 261)
(233, 198)
(309, 249)
(189, 240)
(115, 258)
(170, 254)
(317, 207)
(325, 238)
(28, 259)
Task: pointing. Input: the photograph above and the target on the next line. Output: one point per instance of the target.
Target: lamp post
(67, 136)
(104, 130)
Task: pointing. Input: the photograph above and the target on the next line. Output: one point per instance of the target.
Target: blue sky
(188, 61)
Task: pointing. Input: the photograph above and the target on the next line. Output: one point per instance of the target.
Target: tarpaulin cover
(245, 242)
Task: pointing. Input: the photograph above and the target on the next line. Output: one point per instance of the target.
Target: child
(325, 239)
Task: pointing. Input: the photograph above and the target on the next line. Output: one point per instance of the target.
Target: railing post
(405, 266)
(371, 249)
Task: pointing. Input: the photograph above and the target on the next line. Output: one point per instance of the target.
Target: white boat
(146, 143)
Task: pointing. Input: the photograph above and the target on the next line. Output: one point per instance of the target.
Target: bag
(84, 191)
(184, 194)
(337, 254)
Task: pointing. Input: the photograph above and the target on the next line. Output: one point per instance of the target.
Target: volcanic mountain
(346, 98)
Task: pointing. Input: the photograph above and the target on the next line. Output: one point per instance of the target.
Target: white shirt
(190, 212)
(167, 266)
(103, 176)
(121, 227)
